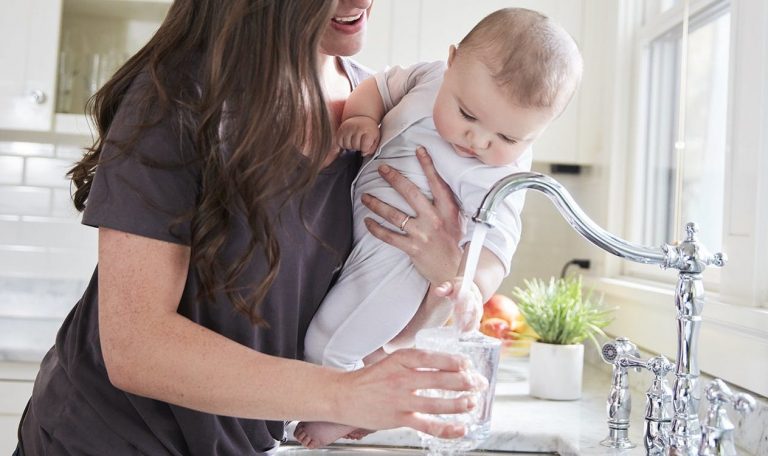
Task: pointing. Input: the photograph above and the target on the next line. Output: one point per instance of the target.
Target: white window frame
(733, 342)
(669, 21)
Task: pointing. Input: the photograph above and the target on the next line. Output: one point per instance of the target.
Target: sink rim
(389, 449)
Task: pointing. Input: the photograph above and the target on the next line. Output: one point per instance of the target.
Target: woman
(223, 213)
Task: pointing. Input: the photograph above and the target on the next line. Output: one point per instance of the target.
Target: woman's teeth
(347, 19)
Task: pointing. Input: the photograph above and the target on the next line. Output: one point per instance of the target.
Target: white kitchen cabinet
(63, 51)
(409, 31)
(28, 63)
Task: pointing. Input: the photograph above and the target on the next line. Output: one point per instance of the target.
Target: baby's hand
(467, 304)
(359, 133)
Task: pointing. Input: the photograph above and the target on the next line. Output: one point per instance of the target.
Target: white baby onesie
(379, 290)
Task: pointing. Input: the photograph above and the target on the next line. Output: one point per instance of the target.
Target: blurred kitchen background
(614, 149)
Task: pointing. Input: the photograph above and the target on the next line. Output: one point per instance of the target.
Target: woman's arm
(151, 350)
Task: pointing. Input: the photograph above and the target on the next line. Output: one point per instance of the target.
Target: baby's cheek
(443, 126)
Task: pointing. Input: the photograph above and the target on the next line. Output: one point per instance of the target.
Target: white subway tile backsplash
(73, 263)
(47, 263)
(10, 232)
(25, 298)
(69, 152)
(62, 204)
(61, 234)
(18, 200)
(26, 149)
(47, 172)
(11, 170)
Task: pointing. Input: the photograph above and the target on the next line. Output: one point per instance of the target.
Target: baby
(477, 114)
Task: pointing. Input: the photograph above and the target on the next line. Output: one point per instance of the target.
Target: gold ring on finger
(404, 222)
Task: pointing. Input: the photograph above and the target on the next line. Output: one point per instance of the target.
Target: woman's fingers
(441, 406)
(440, 190)
(450, 381)
(392, 238)
(432, 235)
(415, 358)
(392, 387)
(433, 426)
(384, 210)
(412, 194)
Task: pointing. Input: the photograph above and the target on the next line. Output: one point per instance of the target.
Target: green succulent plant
(560, 313)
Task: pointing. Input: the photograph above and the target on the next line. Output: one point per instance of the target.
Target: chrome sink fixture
(352, 450)
(683, 434)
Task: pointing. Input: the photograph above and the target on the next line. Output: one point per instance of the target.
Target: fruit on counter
(502, 320)
(500, 306)
(496, 327)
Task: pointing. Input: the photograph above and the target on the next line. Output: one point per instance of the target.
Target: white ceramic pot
(555, 371)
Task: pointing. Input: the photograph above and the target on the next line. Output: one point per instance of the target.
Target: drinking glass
(483, 352)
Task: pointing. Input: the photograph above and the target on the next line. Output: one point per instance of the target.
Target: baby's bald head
(531, 57)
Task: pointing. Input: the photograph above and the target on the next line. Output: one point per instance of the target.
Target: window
(724, 178)
(652, 8)
(705, 124)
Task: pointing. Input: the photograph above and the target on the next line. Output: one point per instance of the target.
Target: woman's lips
(345, 25)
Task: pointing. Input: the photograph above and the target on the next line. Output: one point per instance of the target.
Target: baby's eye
(466, 116)
(507, 139)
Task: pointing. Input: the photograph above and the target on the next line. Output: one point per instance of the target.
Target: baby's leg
(317, 434)
(375, 357)
(376, 295)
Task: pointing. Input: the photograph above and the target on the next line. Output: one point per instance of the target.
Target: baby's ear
(451, 54)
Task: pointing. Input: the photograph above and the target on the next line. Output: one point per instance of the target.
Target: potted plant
(562, 318)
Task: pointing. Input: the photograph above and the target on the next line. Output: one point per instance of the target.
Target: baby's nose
(477, 140)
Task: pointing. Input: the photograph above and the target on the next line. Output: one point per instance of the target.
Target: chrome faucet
(689, 257)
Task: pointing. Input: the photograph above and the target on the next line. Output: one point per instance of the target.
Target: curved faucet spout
(688, 256)
(571, 212)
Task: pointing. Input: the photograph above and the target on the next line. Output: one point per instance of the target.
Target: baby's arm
(468, 304)
(489, 274)
(445, 301)
(363, 111)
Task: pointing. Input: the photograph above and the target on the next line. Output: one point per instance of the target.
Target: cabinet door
(28, 60)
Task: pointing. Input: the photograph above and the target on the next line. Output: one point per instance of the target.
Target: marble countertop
(522, 423)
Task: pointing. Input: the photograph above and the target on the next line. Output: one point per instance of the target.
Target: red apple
(495, 327)
(500, 306)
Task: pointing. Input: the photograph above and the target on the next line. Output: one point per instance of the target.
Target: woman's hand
(431, 238)
(383, 395)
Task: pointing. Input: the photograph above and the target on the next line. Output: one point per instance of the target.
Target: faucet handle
(718, 393)
(660, 366)
(690, 255)
(717, 432)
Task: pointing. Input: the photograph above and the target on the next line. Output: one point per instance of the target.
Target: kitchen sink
(352, 449)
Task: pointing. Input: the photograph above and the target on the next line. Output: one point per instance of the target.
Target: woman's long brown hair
(252, 105)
